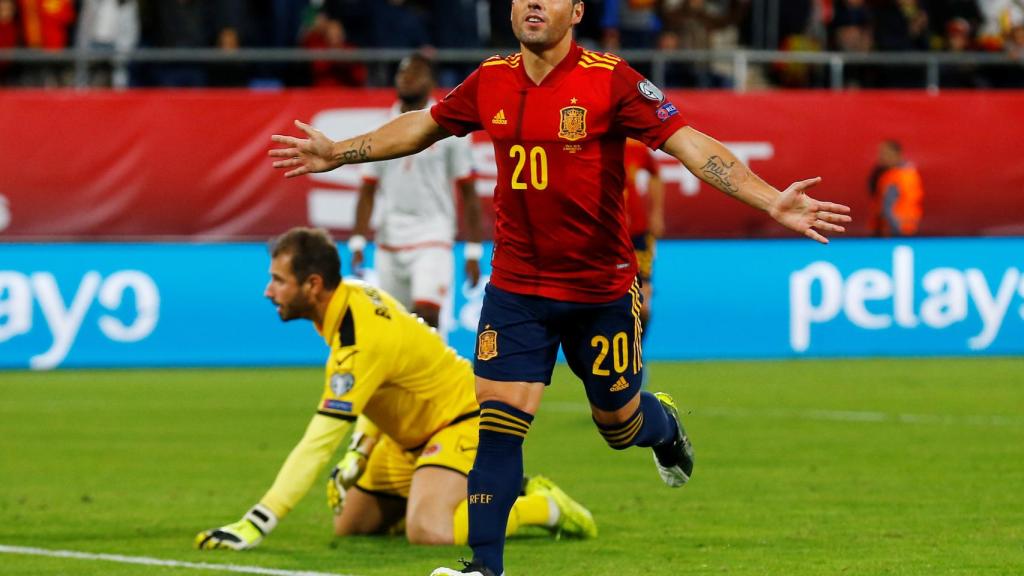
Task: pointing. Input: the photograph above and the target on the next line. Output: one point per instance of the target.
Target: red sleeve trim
(671, 126)
(454, 128)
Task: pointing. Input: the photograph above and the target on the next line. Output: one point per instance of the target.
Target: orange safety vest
(899, 195)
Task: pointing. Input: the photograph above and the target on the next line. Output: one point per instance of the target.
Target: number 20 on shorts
(538, 167)
(619, 347)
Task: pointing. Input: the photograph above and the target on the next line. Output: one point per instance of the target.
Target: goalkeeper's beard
(294, 310)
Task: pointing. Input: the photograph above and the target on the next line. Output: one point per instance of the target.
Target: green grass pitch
(812, 467)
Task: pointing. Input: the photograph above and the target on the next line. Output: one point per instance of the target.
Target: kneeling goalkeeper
(416, 436)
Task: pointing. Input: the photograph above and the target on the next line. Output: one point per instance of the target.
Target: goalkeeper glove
(346, 474)
(242, 535)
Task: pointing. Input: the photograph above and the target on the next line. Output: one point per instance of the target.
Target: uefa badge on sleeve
(341, 383)
(648, 90)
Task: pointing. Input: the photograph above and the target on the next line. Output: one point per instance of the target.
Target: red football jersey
(638, 158)
(560, 216)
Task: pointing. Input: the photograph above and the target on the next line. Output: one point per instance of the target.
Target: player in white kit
(414, 237)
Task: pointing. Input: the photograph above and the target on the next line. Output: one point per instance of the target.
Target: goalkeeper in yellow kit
(412, 401)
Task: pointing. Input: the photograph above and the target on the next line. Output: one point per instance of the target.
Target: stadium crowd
(855, 26)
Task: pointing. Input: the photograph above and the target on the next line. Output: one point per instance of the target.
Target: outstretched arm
(712, 162)
(404, 135)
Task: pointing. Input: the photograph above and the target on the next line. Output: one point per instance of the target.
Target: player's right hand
(242, 535)
(343, 477)
(238, 536)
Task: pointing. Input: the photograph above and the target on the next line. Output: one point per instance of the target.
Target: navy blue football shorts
(518, 339)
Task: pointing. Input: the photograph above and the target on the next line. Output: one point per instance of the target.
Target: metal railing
(739, 62)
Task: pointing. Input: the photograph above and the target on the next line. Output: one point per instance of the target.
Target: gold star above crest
(572, 101)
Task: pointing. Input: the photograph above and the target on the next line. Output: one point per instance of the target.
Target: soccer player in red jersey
(564, 272)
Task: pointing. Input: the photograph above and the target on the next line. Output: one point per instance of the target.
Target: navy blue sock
(495, 480)
(649, 426)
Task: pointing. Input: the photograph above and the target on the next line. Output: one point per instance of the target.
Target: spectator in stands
(1013, 77)
(45, 25)
(940, 14)
(329, 33)
(799, 23)
(1015, 44)
(108, 25)
(851, 32)
(10, 37)
(180, 24)
(630, 24)
(999, 17)
(896, 192)
(700, 25)
(356, 15)
(958, 39)
(901, 25)
(228, 74)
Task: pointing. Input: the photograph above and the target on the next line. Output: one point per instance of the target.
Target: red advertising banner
(194, 163)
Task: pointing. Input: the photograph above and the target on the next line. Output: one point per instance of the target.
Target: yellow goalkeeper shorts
(390, 467)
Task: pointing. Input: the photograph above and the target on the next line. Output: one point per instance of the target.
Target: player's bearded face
(291, 297)
(544, 23)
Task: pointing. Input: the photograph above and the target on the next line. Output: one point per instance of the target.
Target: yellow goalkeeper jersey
(391, 366)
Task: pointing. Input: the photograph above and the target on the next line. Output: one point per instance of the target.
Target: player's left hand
(797, 211)
(242, 535)
(473, 272)
(315, 154)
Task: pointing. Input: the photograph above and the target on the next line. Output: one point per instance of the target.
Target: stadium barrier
(177, 304)
(194, 164)
(734, 64)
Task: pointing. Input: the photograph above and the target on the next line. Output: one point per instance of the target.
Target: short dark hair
(894, 144)
(421, 58)
(312, 252)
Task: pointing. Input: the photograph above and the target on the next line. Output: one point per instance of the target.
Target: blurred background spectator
(958, 40)
(329, 33)
(848, 26)
(629, 24)
(108, 25)
(45, 26)
(852, 32)
(701, 25)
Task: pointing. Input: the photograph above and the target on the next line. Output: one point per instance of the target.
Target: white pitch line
(24, 550)
(865, 416)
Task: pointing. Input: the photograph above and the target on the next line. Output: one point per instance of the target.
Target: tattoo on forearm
(718, 171)
(360, 154)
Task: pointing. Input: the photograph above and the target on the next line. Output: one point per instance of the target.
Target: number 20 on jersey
(538, 176)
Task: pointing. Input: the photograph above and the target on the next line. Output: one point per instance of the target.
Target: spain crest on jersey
(487, 345)
(574, 123)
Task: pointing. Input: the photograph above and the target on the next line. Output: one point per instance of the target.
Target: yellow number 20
(538, 167)
(619, 346)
